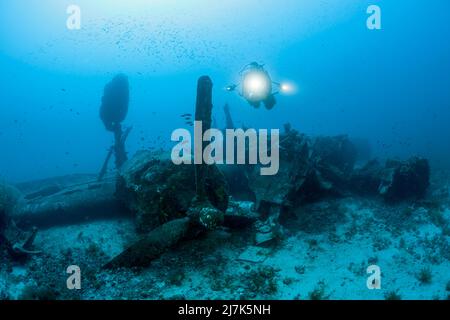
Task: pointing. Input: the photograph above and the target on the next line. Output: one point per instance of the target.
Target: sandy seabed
(324, 254)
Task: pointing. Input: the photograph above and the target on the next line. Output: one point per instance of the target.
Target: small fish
(190, 123)
(63, 90)
(186, 115)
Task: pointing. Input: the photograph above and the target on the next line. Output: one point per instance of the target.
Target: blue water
(390, 86)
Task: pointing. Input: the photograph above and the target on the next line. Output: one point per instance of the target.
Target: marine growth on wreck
(192, 151)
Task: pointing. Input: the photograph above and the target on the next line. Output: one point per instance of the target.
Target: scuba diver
(256, 86)
(113, 111)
